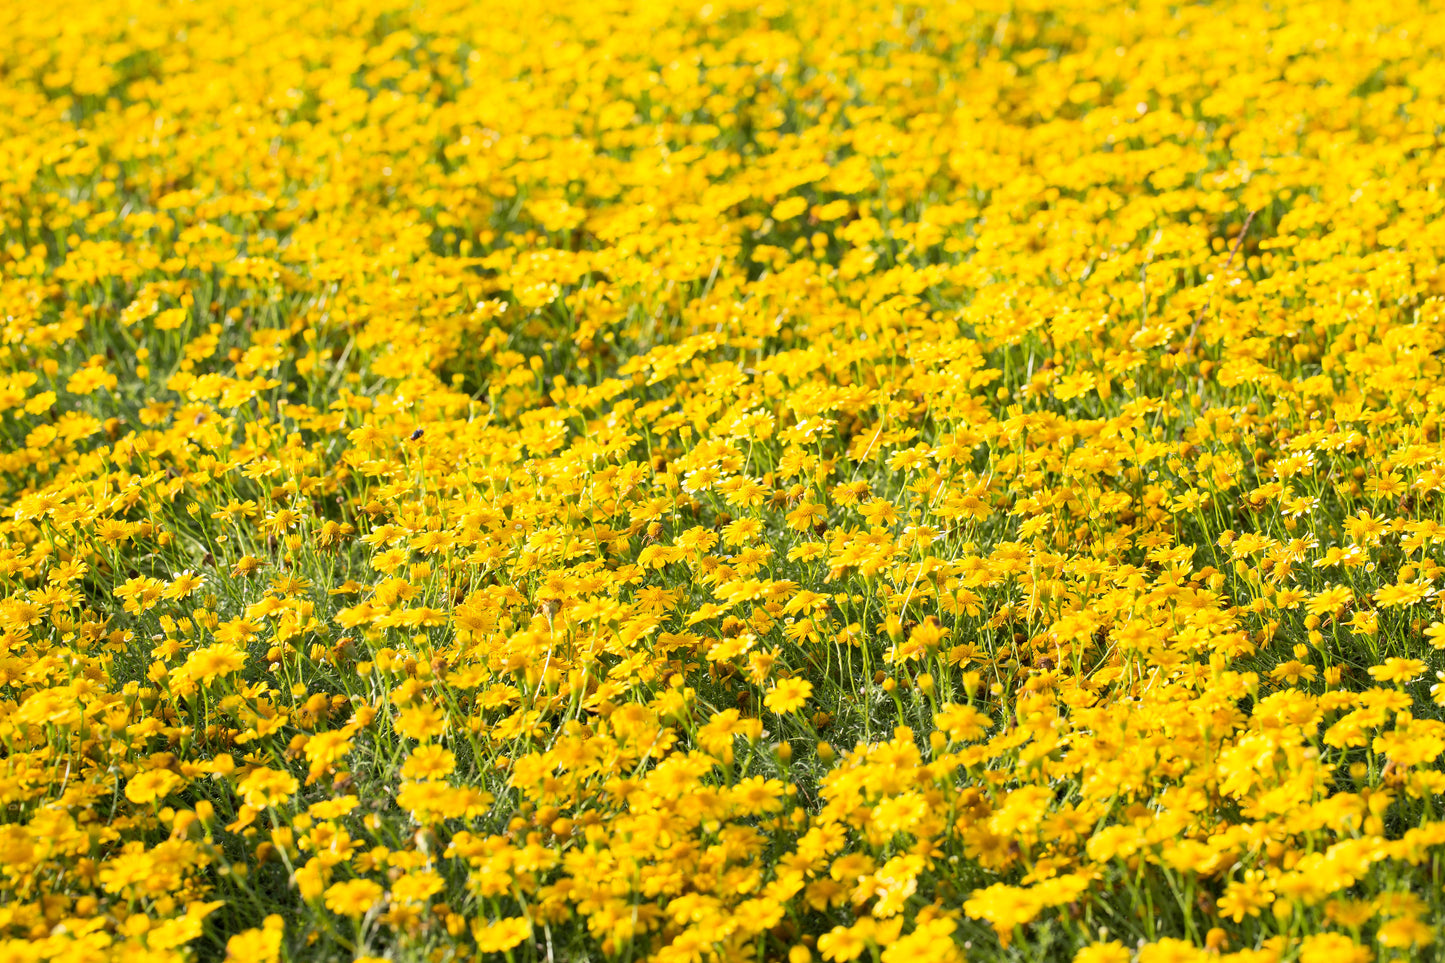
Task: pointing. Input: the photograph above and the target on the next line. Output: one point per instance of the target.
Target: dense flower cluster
(716, 481)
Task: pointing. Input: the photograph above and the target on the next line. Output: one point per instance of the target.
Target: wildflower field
(737, 480)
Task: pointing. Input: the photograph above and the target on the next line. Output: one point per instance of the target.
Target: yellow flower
(1005, 907)
(213, 661)
(259, 945)
(842, 943)
(324, 750)
(421, 722)
(1246, 896)
(263, 788)
(1403, 593)
(183, 585)
(1405, 932)
(789, 208)
(352, 897)
(429, 762)
(1110, 952)
(152, 786)
(140, 594)
(501, 935)
(788, 695)
(90, 379)
(1397, 670)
